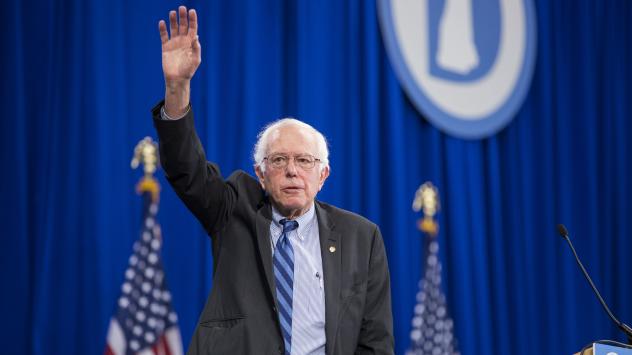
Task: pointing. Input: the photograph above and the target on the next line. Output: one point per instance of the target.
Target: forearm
(198, 184)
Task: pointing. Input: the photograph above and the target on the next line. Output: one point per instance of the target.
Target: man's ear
(260, 176)
(324, 174)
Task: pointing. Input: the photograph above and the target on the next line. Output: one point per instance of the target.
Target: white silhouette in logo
(457, 50)
(475, 99)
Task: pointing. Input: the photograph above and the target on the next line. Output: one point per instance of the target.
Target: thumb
(197, 48)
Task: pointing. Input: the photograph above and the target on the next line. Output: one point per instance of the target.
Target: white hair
(266, 134)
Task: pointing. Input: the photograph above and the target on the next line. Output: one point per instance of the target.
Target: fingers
(180, 23)
(162, 28)
(184, 21)
(173, 23)
(193, 25)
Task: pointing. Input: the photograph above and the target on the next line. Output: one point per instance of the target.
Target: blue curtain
(79, 78)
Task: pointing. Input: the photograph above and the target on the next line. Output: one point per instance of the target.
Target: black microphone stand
(624, 327)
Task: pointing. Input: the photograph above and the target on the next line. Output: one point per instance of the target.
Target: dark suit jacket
(240, 314)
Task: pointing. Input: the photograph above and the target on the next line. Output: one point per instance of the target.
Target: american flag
(433, 329)
(144, 322)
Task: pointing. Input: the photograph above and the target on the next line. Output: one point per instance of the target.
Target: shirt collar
(304, 221)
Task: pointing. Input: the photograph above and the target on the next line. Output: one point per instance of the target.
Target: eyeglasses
(303, 161)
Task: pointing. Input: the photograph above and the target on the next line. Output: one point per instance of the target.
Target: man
(292, 275)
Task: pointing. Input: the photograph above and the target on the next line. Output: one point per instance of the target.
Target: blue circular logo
(465, 64)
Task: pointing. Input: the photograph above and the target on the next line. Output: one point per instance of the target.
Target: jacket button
(274, 309)
(280, 349)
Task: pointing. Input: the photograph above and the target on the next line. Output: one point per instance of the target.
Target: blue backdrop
(79, 78)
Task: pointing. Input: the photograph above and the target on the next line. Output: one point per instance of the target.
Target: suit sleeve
(198, 183)
(376, 333)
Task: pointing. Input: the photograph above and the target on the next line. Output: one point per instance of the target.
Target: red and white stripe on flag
(170, 343)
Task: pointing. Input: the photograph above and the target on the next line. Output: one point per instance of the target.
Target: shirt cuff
(164, 116)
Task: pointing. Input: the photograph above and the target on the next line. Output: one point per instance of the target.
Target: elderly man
(292, 275)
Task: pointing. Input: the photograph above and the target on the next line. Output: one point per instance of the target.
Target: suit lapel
(331, 257)
(264, 218)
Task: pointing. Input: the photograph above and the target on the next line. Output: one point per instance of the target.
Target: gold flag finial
(146, 153)
(427, 200)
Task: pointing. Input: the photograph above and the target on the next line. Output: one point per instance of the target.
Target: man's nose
(291, 169)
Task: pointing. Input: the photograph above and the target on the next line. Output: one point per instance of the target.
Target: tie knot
(288, 225)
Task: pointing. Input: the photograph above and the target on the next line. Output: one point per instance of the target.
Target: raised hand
(181, 56)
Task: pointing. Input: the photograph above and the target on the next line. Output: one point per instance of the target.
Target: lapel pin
(332, 249)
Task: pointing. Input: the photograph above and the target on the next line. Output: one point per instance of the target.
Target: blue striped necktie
(284, 278)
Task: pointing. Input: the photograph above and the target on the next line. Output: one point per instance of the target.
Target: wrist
(177, 85)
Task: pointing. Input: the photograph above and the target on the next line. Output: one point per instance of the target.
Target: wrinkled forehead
(292, 139)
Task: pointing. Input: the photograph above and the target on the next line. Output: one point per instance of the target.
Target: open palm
(181, 54)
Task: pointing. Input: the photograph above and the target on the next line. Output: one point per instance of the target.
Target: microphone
(624, 327)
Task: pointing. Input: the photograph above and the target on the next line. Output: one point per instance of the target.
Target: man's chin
(291, 206)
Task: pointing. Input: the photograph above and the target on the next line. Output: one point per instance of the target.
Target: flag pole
(432, 327)
(145, 321)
